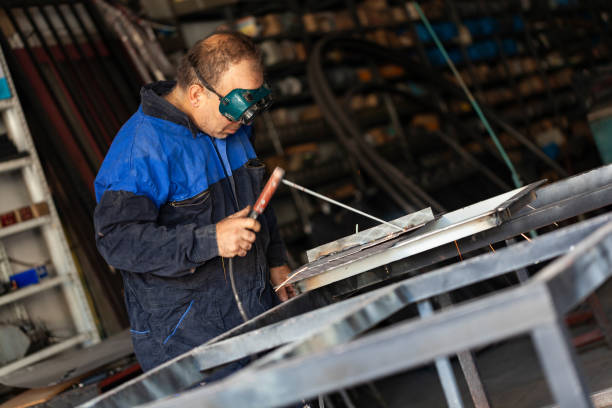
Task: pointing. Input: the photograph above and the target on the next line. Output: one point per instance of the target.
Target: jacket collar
(153, 104)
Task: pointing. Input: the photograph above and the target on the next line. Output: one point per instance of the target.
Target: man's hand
(278, 275)
(236, 234)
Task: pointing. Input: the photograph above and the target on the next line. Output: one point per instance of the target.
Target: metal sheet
(372, 236)
(448, 228)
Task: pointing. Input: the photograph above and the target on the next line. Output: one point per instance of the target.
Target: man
(173, 197)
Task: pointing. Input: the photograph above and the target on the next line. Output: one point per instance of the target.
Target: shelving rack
(58, 301)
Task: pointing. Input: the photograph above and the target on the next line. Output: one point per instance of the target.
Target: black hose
(352, 148)
(389, 177)
(349, 134)
(444, 137)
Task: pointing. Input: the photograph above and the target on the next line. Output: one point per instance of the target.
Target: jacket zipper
(225, 173)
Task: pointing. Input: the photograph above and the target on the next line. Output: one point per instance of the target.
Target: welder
(174, 194)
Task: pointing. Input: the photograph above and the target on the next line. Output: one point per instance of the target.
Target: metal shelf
(32, 289)
(24, 226)
(15, 164)
(44, 353)
(7, 103)
(50, 240)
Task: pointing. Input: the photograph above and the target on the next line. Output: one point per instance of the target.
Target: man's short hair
(213, 58)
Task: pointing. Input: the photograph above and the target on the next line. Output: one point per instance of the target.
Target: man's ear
(196, 95)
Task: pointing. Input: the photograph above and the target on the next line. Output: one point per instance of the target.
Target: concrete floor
(510, 371)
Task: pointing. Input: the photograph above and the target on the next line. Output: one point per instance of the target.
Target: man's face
(244, 75)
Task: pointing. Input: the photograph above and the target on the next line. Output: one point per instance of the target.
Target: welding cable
(245, 317)
(366, 165)
(366, 155)
(322, 95)
(421, 101)
(415, 71)
(369, 168)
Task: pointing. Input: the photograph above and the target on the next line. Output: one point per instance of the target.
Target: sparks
(458, 251)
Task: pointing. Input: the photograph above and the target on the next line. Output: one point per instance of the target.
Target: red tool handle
(267, 193)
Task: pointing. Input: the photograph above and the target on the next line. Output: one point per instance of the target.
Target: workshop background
(371, 117)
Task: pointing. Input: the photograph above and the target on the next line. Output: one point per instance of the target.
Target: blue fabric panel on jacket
(236, 150)
(148, 152)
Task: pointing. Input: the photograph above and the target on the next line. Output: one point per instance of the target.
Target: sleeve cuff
(277, 255)
(205, 243)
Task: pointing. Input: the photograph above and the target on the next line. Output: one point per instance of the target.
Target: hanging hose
(391, 179)
(421, 101)
(388, 177)
(515, 176)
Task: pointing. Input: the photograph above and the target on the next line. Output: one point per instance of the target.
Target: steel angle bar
(571, 278)
(556, 353)
(444, 367)
(448, 228)
(511, 312)
(385, 352)
(185, 370)
(555, 202)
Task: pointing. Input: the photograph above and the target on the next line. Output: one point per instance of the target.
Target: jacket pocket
(256, 170)
(196, 200)
(195, 323)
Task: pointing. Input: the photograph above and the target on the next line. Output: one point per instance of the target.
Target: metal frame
(536, 308)
(341, 321)
(303, 331)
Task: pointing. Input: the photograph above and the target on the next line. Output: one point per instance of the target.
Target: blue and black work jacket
(161, 189)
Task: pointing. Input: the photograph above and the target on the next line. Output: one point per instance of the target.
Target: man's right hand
(236, 234)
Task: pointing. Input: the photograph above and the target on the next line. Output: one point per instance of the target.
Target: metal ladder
(65, 277)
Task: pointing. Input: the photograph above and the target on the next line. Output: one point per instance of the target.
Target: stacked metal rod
(77, 89)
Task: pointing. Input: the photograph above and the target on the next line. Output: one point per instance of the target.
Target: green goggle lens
(242, 105)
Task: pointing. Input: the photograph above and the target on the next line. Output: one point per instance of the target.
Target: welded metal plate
(376, 235)
(447, 228)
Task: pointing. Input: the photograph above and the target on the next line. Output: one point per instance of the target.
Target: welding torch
(258, 208)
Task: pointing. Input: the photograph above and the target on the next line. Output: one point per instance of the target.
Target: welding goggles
(244, 104)
(241, 105)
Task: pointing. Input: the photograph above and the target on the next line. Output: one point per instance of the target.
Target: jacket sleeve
(277, 253)
(129, 238)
